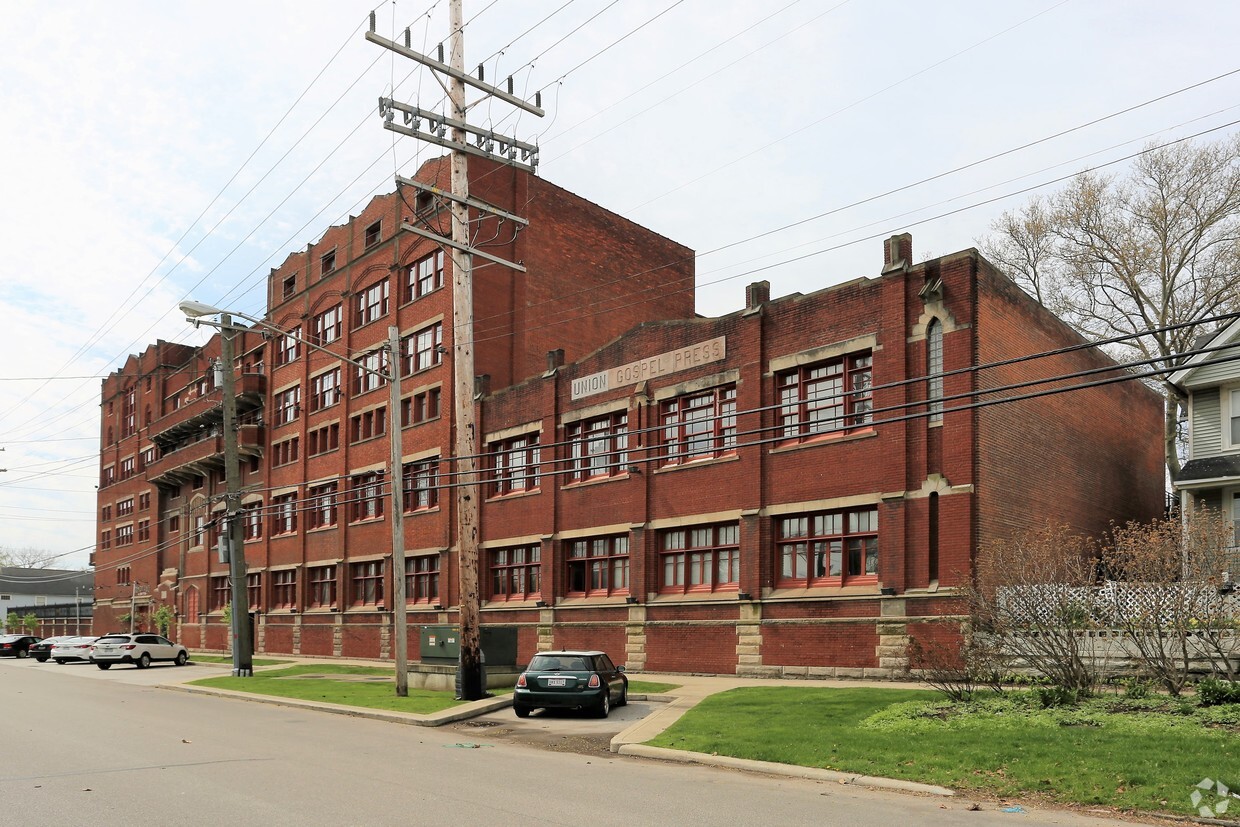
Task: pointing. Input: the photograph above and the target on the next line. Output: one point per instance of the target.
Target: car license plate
(105, 650)
(557, 681)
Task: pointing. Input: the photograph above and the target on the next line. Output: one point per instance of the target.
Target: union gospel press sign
(691, 356)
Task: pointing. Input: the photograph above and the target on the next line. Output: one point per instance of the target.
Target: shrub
(1054, 696)
(1215, 692)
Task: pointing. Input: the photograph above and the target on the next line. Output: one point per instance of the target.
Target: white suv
(139, 649)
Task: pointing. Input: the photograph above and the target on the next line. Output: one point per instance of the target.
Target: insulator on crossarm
(408, 39)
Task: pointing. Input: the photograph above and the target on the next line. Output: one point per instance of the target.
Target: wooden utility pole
(464, 421)
(400, 611)
(242, 648)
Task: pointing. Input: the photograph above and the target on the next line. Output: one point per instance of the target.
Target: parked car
(570, 680)
(141, 650)
(17, 645)
(74, 648)
(42, 651)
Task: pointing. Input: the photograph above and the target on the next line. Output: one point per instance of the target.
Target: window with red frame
(367, 497)
(284, 514)
(124, 507)
(288, 347)
(144, 501)
(420, 407)
(326, 326)
(321, 509)
(421, 481)
(422, 579)
(254, 590)
(371, 371)
(515, 573)
(144, 530)
(287, 406)
(367, 583)
(514, 464)
(252, 519)
(371, 304)
(424, 276)
(828, 397)
(322, 440)
(422, 350)
(322, 591)
(828, 548)
(701, 559)
(191, 604)
(124, 535)
(599, 447)
(122, 575)
(284, 589)
(599, 566)
(325, 390)
(221, 593)
(699, 425)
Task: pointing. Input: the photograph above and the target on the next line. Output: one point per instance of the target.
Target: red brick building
(780, 490)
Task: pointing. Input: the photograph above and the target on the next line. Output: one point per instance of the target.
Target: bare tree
(26, 558)
(1116, 256)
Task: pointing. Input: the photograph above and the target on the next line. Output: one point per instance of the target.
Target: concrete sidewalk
(690, 691)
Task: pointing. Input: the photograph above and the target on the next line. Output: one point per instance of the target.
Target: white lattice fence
(1117, 603)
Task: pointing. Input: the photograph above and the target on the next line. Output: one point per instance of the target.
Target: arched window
(934, 369)
(191, 604)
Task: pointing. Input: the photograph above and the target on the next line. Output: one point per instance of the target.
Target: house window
(148, 457)
(367, 497)
(105, 513)
(289, 287)
(373, 233)
(221, 593)
(367, 582)
(934, 369)
(200, 529)
(827, 397)
(371, 372)
(325, 390)
(327, 263)
(287, 406)
(514, 464)
(144, 501)
(515, 573)
(700, 559)
(284, 514)
(129, 413)
(108, 476)
(368, 425)
(326, 326)
(174, 523)
(288, 346)
(424, 276)
(128, 468)
(122, 575)
(420, 407)
(252, 519)
(254, 590)
(422, 579)
(322, 582)
(829, 548)
(599, 566)
(1234, 398)
(144, 530)
(284, 589)
(371, 304)
(322, 440)
(421, 480)
(283, 453)
(699, 426)
(124, 507)
(322, 508)
(423, 349)
(197, 482)
(599, 447)
(124, 535)
(105, 540)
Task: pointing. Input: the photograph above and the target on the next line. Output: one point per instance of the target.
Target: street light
(194, 311)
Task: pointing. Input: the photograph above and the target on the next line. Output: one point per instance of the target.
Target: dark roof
(17, 580)
(1209, 468)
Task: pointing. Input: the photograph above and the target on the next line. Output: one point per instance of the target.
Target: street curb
(789, 770)
(448, 716)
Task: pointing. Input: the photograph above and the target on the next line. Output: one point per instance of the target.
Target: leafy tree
(162, 617)
(31, 622)
(1114, 256)
(12, 623)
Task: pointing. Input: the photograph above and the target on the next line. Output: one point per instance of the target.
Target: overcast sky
(154, 151)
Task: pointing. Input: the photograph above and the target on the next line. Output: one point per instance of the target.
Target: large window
(325, 390)
(421, 484)
(422, 579)
(252, 517)
(699, 425)
(423, 349)
(701, 559)
(372, 371)
(321, 581)
(599, 447)
(326, 326)
(367, 497)
(420, 407)
(371, 304)
(827, 397)
(423, 276)
(366, 583)
(221, 593)
(514, 464)
(322, 440)
(828, 548)
(254, 590)
(934, 369)
(367, 425)
(321, 508)
(515, 573)
(287, 405)
(284, 514)
(284, 589)
(288, 346)
(598, 566)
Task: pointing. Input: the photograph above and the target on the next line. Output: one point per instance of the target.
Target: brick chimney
(757, 294)
(897, 253)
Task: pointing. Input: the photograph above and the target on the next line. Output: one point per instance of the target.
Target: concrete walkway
(690, 691)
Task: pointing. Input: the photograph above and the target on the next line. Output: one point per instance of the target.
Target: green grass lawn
(1144, 760)
(650, 687)
(378, 694)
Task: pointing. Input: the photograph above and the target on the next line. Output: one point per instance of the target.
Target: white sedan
(73, 648)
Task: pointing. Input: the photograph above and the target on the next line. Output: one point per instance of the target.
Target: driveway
(557, 729)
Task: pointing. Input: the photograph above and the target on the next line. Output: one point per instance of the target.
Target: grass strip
(292, 683)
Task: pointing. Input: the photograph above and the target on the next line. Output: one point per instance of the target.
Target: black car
(17, 645)
(570, 680)
(42, 650)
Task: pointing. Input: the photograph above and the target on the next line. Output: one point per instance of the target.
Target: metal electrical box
(439, 644)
